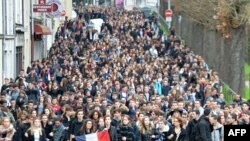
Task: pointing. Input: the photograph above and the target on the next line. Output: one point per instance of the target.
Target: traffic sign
(168, 19)
(168, 13)
(57, 8)
(42, 8)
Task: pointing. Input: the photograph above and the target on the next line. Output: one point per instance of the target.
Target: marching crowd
(130, 79)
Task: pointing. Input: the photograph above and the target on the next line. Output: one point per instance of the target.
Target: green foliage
(228, 95)
(247, 71)
(164, 27)
(246, 93)
(247, 77)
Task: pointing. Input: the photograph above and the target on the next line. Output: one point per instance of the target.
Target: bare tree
(222, 15)
(224, 50)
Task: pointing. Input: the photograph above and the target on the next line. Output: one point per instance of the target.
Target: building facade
(41, 33)
(12, 37)
(25, 35)
(15, 37)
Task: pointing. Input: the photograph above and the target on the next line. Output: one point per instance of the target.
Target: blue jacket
(158, 87)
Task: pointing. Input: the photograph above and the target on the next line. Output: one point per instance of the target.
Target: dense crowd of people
(130, 79)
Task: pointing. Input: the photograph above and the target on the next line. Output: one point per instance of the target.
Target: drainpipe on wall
(158, 8)
(32, 30)
(14, 30)
(52, 24)
(44, 38)
(4, 34)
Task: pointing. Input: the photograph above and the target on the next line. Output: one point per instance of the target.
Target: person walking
(204, 128)
(190, 132)
(36, 132)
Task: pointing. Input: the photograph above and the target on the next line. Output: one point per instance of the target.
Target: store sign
(57, 8)
(42, 8)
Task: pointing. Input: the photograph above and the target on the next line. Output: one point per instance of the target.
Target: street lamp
(169, 4)
(158, 7)
(169, 8)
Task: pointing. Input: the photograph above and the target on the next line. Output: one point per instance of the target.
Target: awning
(42, 29)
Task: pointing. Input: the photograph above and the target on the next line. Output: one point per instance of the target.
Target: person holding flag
(109, 133)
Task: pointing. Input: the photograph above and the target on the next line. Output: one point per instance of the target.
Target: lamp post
(169, 4)
(158, 7)
(169, 8)
(32, 30)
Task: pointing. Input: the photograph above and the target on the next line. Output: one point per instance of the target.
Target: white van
(96, 24)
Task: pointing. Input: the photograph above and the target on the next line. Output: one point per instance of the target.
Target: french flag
(99, 136)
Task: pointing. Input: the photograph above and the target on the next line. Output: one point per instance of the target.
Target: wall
(1, 42)
(27, 36)
(9, 42)
(9, 58)
(14, 16)
(68, 7)
(10, 17)
(19, 11)
(1, 17)
(223, 55)
(129, 4)
(19, 36)
(1, 62)
(39, 50)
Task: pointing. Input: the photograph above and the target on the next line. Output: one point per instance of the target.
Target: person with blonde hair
(147, 131)
(36, 132)
(6, 130)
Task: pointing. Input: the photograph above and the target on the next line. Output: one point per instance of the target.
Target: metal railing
(162, 21)
(229, 93)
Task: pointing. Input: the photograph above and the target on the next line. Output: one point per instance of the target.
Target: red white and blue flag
(99, 136)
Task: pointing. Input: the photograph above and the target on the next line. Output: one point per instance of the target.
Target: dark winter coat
(113, 133)
(165, 90)
(47, 127)
(31, 137)
(190, 132)
(147, 136)
(66, 123)
(182, 135)
(21, 129)
(75, 127)
(126, 131)
(203, 130)
(115, 122)
(33, 95)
